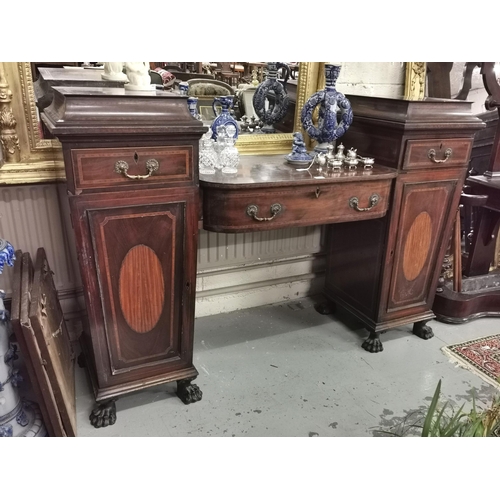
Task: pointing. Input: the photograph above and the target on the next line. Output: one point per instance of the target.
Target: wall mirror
(302, 86)
(37, 159)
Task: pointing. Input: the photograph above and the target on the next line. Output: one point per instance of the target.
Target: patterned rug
(481, 356)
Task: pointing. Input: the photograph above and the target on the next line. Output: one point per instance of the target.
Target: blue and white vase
(274, 110)
(330, 102)
(193, 107)
(224, 117)
(18, 418)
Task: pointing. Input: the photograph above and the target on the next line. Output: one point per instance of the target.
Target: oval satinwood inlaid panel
(141, 288)
(417, 246)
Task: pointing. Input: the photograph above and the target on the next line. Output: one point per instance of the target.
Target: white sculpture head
(114, 71)
(138, 76)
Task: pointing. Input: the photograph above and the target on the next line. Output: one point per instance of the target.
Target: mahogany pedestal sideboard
(131, 163)
(132, 172)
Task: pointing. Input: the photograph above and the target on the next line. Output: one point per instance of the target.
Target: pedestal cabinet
(386, 271)
(132, 177)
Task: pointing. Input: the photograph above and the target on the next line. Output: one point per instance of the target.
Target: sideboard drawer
(433, 153)
(231, 210)
(141, 167)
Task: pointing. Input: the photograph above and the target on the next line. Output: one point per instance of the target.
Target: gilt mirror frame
(31, 159)
(37, 160)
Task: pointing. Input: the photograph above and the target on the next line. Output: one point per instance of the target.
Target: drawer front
(148, 167)
(258, 210)
(435, 153)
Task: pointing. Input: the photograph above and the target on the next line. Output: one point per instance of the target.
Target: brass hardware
(253, 209)
(318, 192)
(432, 155)
(121, 167)
(374, 199)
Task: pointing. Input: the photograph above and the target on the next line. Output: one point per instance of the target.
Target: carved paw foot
(188, 392)
(373, 343)
(82, 362)
(103, 415)
(420, 329)
(325, 308)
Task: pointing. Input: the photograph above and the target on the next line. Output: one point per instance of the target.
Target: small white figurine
(138, 76)
(113, 71)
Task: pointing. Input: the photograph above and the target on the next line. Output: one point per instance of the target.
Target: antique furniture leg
(420, 329)
(327, 307)
(188, 392)
(373, 342)
(104, 414)
(82, 362)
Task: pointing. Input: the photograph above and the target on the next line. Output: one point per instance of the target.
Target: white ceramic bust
(113, 71)
(138, 76)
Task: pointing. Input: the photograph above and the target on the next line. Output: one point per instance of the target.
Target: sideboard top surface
(273, 171)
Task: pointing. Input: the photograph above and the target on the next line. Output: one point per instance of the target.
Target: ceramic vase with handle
(224, 117)
(330, 102)
(270, 100)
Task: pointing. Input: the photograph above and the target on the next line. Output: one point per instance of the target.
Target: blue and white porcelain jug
(224, 117)
(271, 111)
(330, 102)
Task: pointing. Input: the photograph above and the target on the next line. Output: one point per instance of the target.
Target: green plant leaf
(430, 413)
(455, 423)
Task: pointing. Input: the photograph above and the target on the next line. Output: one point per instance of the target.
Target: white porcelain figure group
(136, 73)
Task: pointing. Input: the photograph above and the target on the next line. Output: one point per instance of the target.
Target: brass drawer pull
(374, 199)
(121, 167)
(432, 155)
(253, 209)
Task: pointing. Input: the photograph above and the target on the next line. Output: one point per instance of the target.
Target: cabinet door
(140, 259)
(424, 221)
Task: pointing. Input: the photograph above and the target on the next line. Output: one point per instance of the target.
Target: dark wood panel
(425, 209)
(355, 252)
(162, 225)
(118, 233)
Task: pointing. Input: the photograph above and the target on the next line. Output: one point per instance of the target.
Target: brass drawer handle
(432, 155)
(121, 167)
(253, 209)
(374, 199)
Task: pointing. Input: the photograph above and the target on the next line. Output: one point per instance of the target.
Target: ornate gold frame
(39, 160)
(415, 80)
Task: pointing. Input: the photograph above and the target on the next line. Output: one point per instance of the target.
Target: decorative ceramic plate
(298, 163)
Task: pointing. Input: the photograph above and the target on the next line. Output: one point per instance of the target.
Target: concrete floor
(285, 370)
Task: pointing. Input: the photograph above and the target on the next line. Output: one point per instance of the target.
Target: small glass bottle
(208, 156)
(229, 157)
(220, 142)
